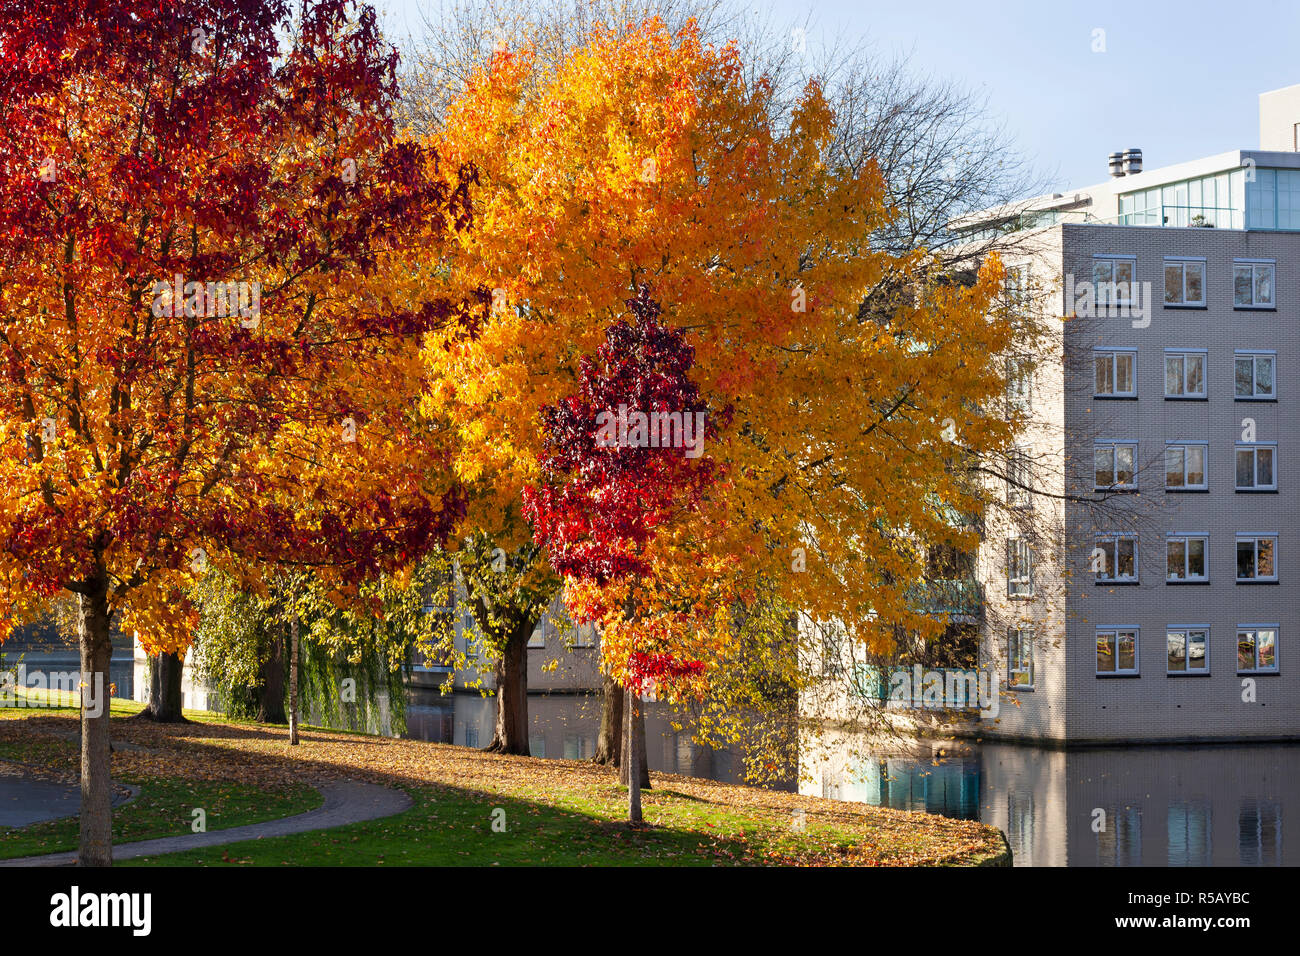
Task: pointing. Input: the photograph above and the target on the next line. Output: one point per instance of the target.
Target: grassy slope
(555, 811)
(163, 807)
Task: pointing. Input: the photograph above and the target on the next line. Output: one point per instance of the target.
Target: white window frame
(537, 639)
(1255, 266)
(1187, 630)
(1115, 631)
(1020, 369)
(1182, 263)
(1185, 444)
(1185, 354)
(1018, 293)
(1186, 537)
(1108, 572)
(1256, 537)
(1114, 355)
(1020, 478)
(1114, 445)
(1254, 448)
(1020, 658)
(1254, 355)
(1253, 630)
(1099, 284)
(1020, 586)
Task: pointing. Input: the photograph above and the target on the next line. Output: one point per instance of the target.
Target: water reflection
(565, 727)
(1146, 806)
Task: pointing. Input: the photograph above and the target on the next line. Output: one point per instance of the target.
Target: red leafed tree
(204, 359)
(613, 480)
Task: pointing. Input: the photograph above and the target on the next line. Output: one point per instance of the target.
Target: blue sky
(1176, 80)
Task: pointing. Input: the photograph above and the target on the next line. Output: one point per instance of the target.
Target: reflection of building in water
(1165, 806)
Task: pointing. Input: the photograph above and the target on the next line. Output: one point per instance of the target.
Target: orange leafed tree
(206, 361)
(857, 383)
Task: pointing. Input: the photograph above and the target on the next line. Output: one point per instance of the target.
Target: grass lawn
(163, 807)
(554, 812)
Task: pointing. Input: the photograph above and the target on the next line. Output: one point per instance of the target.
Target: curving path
(346, 801)
(25, 800)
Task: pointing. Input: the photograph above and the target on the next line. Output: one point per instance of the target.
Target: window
(1116, 557)
(578, 746)
(1257, 557)
(1256, 648)
(1020, 380)
(584, 635)
(538, 637)
(1117, 650)
(1020, 568)
(1184, 374)
(1020, 657)
(1189, 650)
(1185, 557)
(1020, 479)
(1184, 281)
(1252, 283)
(1185, 465)
(1254, 374)
(1256, 467)
(1116, 373)
(1017, 286)
(1112, 279)
(1114, 463)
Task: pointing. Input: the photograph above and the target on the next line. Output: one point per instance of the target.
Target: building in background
(1165, 609)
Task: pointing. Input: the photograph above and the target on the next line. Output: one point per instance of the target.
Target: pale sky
(1177, 80)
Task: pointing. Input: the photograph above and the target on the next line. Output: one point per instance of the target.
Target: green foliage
(367, 635)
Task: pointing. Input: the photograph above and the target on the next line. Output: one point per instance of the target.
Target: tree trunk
(293, 681)
(270, 704)
(638, 734)
(165, 672)
(609, 743)
(511, 734)
(634, 748)
(96, 846)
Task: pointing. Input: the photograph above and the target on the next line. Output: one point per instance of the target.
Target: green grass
(556, 812)
(453, 828)
(164, 808)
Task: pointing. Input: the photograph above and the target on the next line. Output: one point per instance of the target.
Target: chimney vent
(1117, 164)
(1132, 162)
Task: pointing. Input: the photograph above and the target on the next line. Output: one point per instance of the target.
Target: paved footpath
(25, 799)
(346, 801)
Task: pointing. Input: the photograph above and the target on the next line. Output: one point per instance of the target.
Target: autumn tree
(608, 488)
(207, 363)
(650, 156)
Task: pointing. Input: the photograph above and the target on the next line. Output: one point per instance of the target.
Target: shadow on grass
(555, 812)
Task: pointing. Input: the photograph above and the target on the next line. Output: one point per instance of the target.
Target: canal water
(1142, 806)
